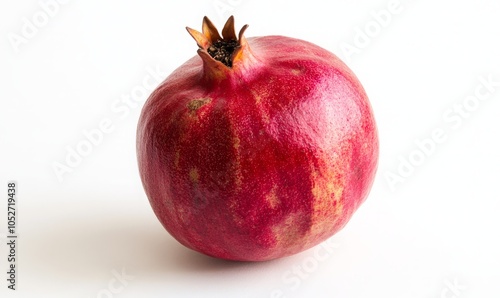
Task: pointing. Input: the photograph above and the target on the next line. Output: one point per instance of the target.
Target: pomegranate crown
(226, 49)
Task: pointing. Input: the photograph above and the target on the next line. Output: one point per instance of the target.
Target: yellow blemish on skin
(263, 112)
(327, 189)
(194, 175)
(296, 71)
(177, 158)
(272, 197)
(288, 231)
(265, 117)
(256, 96)
(236, 142)
(238, 220)
(238, 178)
(325, 193)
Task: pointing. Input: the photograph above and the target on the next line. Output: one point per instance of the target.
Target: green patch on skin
(195, 104)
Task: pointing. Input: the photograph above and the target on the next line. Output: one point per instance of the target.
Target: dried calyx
(223, 49)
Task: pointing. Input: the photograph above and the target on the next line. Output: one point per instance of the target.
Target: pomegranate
(257, 148)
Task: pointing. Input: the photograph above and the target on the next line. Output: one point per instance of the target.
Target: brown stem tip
(223, 49)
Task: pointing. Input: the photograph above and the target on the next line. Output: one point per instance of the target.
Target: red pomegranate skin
(262, 160)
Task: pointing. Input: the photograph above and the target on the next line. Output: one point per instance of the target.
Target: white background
(435, 233)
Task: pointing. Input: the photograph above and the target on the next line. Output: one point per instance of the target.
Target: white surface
(438, 227)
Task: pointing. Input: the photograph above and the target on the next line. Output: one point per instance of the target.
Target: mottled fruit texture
(257, 148)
